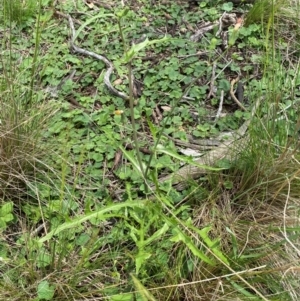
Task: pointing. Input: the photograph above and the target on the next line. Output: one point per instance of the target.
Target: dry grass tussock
(21, 145)
(256, 222)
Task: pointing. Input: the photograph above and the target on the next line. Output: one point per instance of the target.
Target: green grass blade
(211, 244)
(180, 236)
(89, 21)
(144, 293)
(133, 160)
(157, 234)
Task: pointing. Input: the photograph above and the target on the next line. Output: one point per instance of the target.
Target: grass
(22, 118)
(79, 216)
(18, 11)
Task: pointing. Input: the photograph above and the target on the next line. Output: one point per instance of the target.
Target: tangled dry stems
(20, 146)
(257, 210)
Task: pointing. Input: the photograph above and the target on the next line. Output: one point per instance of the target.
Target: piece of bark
(227, 150)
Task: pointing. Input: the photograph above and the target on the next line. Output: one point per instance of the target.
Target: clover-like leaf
(45, 291)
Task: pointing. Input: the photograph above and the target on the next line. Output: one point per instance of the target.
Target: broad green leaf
(122, 297)
(129, 55)
(123, 12)
(97, 214)
(227, 6)
(140, 258)
(45, 291)
(158, 234)
(82, 239)
(2, 224)
(6, 208)
(43, 259)
(224, 84)
(7, 218)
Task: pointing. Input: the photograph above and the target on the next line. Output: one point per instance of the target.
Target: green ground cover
(175, 177)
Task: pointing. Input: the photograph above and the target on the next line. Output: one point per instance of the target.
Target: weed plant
(264, 10)
(77, 235)
(22, 114)
(18, 11)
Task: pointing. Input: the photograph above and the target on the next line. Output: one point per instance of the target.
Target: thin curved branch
(233, 82)
(228, 149)
(99, 57)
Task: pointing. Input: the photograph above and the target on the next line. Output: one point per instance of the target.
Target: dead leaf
(118, 81)
(90, 5)
(166, 108)
(190, 152)
(119, 112)
(168, 16)
(239, 23)
(118, 157)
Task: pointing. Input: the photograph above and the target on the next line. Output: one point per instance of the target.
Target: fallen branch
(219, 112)
(99, 57)
(233, 82)
(207, 26)
(212, 82)
(191, 172)
(226, 150)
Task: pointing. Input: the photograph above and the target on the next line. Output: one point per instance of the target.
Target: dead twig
(199, 53)
(191, 145)
(220, 106)
(36, 231)
(208, 26)
(220, 25)
(53, 90)
(233, 82)
(57, 12)
(101, 4)
(212, 82)
(227, 149)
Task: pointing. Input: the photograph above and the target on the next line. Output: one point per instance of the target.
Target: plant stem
(131, 104)
(35, 56)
